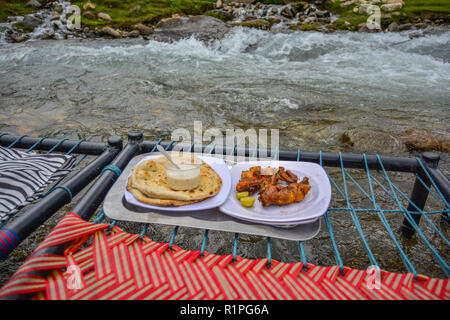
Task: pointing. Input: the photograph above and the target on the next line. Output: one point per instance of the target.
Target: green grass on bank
(127, 13)
(419, 6)
(410, 12)
(348, 20)
(13, 8)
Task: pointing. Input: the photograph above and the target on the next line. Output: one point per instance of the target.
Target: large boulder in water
(204, 28)
(31, 21)
(372, 141)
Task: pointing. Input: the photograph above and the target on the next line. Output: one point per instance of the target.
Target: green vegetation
(425, 9)
(257, 23)
(127, 13)
(276, 1)
(348, 19)
(218, 15)
(14, 8)
(24, 28)
(410, 12)
(418, 6)
(124, 14)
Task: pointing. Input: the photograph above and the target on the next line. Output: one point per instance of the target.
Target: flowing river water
(311, 86)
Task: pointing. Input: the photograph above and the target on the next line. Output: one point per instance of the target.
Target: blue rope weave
(56, 145)
(17, 140)
(99, 218)
(269, 252)
(172, 238)
(328, 224)
(75, 146)
(236, 236)
(36, 144)
(408, 264)
(112, 168)
(445, 267)
(64, 188)
(205, 238)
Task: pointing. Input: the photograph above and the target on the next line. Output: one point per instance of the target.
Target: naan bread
(159, 202)
(149, 178)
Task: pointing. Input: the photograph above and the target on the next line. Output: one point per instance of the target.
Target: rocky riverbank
(50, 19)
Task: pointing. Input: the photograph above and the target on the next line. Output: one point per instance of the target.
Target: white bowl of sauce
(185, 178)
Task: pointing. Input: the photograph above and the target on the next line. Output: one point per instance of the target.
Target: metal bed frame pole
(31, 219)
(87, 206)
(419, 194)
(355, 161)
(24, 142)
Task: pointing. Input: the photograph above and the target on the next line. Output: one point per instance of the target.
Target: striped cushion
(24, 176)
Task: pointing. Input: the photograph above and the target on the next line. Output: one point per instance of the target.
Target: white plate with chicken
(283, 193)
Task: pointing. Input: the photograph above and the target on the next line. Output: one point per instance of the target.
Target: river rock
(254, 23)
(393, 1)
(322, 13)
(368, 141)
(219, 4)
(393, 27)
(365, 8)
(89, 6)
(31, 21)
(15, 37)
(405, 26)
(56, 16)
(133, 34)
(421, 25)
(368, 27)
(33, 3)
(203, 28)
(104, 16)
(107, 31)
(391, 6)
(274, 20)
(90, 15)
(347, 3)
(287, 12)
(309, 20)
(143, 29)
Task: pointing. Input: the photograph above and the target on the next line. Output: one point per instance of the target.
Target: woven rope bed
(79, 259)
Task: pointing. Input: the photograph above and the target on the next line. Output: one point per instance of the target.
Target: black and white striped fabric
(24, 176)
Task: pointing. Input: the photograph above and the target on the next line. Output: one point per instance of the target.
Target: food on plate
(265, 181)
(158, 202)
(149, 182)
(282, 195)
(240, 195)
(247, 201)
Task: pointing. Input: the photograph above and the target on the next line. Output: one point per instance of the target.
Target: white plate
(314, 204)
(219, 166)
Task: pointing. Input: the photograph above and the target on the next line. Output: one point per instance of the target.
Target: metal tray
(116, 208)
